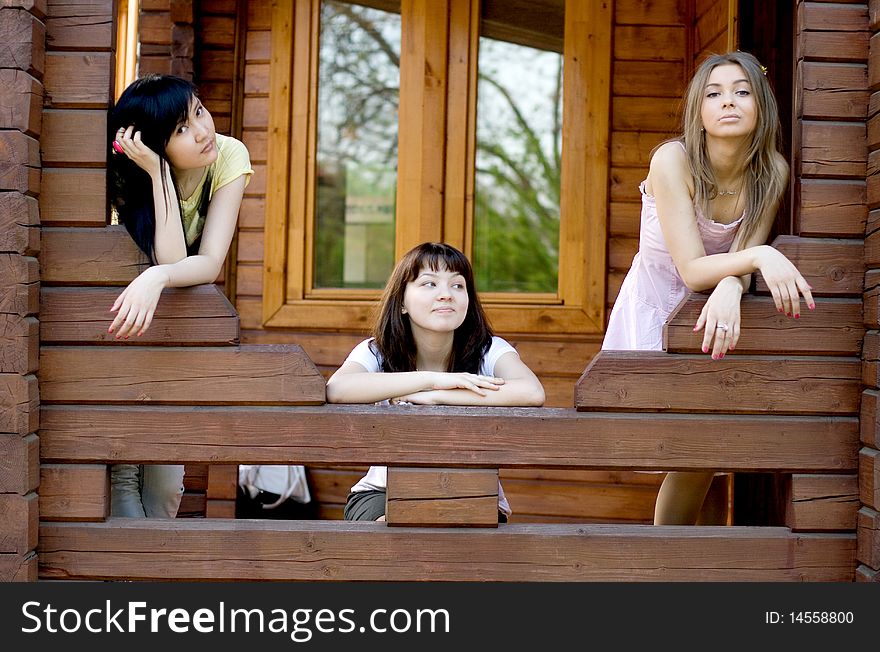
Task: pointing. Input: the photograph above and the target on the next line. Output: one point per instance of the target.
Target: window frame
(436, 141)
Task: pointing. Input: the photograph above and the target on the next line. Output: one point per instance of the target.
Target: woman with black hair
(176, 186)
(431, 345)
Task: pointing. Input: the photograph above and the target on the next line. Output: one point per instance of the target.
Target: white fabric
(287, 481)
(365, 355)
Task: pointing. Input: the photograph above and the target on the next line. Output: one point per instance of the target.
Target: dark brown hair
(394, 340)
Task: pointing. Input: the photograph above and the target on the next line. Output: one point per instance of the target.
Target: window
(392, 124)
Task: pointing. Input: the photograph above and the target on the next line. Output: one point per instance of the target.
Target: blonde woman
(708, 205)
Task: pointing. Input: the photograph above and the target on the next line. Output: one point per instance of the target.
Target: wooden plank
(833, 45)
(832, 208)
(19, 224)
(21, 97)
(648, 79)
(23, 37)
(19, 404)
(105, 256)
(646, 114)
(648, 380)
(710, 25)
(19, 344)
(18, 568)
(442, 497)
(19, 463)
(80, 25)
(74, 492)
(873, 61)
(869, 537)
(581, 501)
(833, 328)
(633, 148)
(833, 149)
(871, 359)
(258, 374)
(20, 518)
(19, 162)
(649, 43)
(833, 17)
(649, 12)
(19, 284)
(834, 91)
(200, 315)
(831, 267)
(222, 482)
(821, 502)
(448, 437)
(73, 197)
(220, 509)
(78, 79)
(319, 550)
(871, 298)
(74, 138)
(624, 184)
(870, 427)
(869, 477)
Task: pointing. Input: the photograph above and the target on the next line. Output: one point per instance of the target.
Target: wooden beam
(869, 477)
(822, 502)
(184, 316)
(105, 256)
(19, 463)
(252, 374)
(346, 551)
(448, 436)
(834, 328)
(649, 381)
(442, 497)
(869, 537)
(19, 344)
(19, 515)
(19, 224)
(74, 492)
(18, 568)
(832, 267)
(19, 404)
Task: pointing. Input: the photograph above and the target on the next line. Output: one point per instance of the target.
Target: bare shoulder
(669, 167)
(780, 163)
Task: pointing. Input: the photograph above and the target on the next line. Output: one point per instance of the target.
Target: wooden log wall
(649, 71)
(167, 37)
(869, 456)
(831, 201)
(23, 71)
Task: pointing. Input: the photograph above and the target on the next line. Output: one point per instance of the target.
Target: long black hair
(392, 331)
(154, 105)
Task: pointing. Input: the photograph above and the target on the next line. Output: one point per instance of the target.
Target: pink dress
(652, 287)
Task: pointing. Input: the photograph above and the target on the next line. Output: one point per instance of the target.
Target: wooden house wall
(714, 28)
(650, 66)
(869, 457)
(22, 73)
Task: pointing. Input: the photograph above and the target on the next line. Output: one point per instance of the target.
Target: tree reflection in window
(358, 97)
(518, 146)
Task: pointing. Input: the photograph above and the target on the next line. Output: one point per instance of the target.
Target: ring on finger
(721, 327)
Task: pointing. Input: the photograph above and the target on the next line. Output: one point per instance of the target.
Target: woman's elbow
(536, 397)
(332, 393)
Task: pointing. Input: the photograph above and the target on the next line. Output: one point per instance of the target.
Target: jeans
(146, 490)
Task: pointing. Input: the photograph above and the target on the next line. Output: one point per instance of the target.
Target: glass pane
(519, 129)
(358, 90)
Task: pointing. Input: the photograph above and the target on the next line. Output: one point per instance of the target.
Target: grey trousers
(145, 490)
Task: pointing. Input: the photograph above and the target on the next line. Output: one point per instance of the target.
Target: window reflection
(358, 94)
(518, 146)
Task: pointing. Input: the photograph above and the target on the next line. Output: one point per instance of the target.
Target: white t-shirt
(365, 355)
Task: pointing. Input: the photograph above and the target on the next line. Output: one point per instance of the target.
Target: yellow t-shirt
(232, 162)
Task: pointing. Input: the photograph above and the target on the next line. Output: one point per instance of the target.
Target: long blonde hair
(764, 181)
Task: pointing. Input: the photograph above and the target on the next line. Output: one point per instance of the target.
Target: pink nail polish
(714, 357)
(117, 147)
(705, 349)
(812, 306)
(797, 316)
(721, 356)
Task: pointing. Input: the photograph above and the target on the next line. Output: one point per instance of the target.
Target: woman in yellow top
(177, 187)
